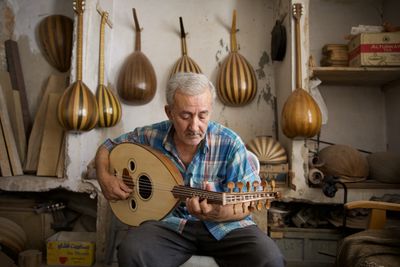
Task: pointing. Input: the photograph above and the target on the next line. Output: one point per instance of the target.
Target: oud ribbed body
(109, 107)
(137, 81)
(236, 82)
(301, 116)
(185, 64)
(55, 34)
(77, 109)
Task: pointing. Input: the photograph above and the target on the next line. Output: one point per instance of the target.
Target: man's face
(190, 116)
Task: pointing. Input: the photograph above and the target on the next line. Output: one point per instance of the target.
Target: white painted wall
(356, 114)
(36, 70)
(208, 24)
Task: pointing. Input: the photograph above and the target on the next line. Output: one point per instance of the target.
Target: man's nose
(194, 123)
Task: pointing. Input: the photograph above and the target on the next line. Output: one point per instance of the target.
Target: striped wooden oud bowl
(109, 105)
(77, 108)
(137, 82)
(185, 63)
(55, 36)
(236, 81)
(110, 110)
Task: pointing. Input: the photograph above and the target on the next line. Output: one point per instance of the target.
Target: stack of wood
(335, 55)
(46, 154)
(43, 154)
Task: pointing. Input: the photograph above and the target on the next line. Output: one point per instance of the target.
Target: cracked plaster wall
(208, 44)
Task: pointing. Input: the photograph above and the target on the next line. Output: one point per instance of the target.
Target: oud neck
(222, 198)
(184, 192)
(298, 56)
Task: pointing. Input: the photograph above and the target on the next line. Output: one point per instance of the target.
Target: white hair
(188, 83)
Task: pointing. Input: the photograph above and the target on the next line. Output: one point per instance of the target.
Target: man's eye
(203, 116)
(185, 116)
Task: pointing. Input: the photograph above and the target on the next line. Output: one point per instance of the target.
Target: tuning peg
(251, 208)
(255, 185)
(273, 184)
(240, 185)
(264, 185)
(231, 186)
(259, 205)
(248, 186)
(267, 204)
(243, 207)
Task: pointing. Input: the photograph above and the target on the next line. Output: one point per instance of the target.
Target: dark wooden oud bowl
(137, 82)
(55, 36)
(301, 116)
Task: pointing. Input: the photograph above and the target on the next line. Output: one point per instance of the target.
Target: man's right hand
(113, 187)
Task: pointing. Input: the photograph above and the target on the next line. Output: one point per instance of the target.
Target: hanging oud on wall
(236, 82)
(185, 63)
(158, 186)
(301, 116)
(77, 108)
(109, 106)
(137, 81)
(55, 35)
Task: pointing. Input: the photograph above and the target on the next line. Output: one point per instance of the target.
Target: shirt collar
(168, 141)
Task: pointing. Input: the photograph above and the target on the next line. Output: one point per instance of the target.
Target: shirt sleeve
(130, 137)
(240, 168)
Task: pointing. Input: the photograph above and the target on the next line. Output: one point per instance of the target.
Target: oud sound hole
(145, 187)
(132, 166)
(133, 204)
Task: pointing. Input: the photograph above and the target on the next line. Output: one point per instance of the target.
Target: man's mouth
(194, 135)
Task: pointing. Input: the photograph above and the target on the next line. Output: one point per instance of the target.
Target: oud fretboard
(222, 198)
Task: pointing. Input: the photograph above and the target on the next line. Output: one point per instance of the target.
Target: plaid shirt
(220, 158)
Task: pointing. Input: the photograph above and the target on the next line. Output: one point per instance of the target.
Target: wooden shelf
(32, 183)
(356, 76)
(367, 184)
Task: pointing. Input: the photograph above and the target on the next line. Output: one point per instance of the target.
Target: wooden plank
(20, 128)
(61, 160)
(17, 80)
(12, 150)
(370, 76)
(52, 139)
(5, 167)
(56, 84)
(15, 113)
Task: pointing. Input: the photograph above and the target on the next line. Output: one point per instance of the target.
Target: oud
(158, 186)
(301, 116)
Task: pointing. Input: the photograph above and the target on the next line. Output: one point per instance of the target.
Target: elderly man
(208, 155)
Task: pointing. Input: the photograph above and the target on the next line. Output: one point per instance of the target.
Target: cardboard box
(71, 249)
(375, 49)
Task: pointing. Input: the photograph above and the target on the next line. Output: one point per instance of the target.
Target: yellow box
(71, 249)
(375, 49)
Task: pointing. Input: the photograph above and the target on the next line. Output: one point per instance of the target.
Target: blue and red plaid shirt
(221, 157)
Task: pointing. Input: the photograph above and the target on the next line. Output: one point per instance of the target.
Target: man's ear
(167, 110)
